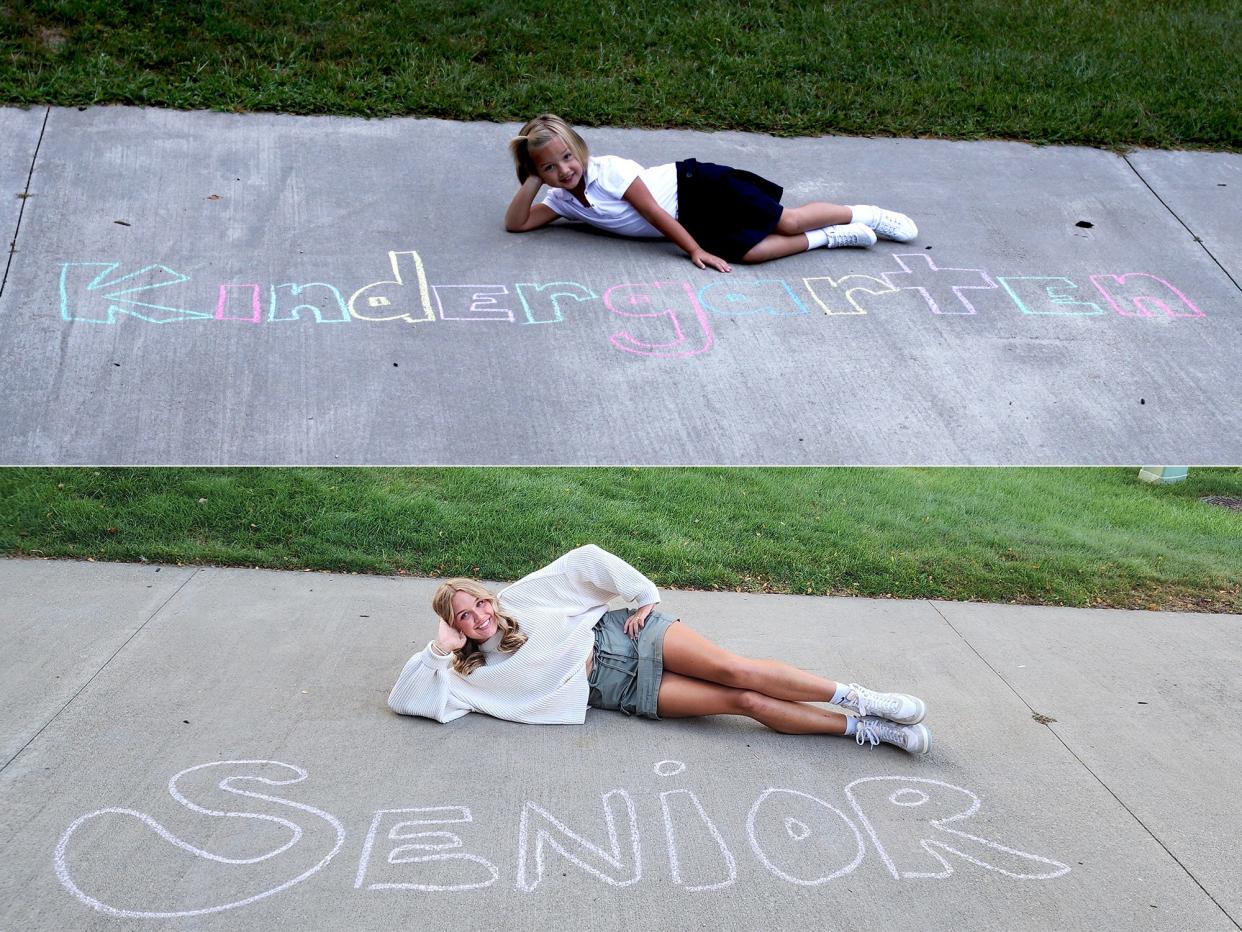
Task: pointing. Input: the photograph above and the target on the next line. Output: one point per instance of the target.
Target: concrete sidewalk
(222, 288)
(210, 749)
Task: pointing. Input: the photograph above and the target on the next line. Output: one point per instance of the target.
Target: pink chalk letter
(1138, 294)
(227, 309)
(677, 309)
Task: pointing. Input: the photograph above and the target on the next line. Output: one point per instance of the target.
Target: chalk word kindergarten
(916, 826)
(674, 316)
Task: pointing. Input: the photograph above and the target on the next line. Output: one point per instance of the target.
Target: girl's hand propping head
(449, 637)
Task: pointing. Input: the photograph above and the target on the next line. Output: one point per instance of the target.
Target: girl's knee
(736, 672)
(790, 222)
(751, 703)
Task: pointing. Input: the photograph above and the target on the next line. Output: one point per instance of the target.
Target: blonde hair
(469, 658)
(539, 132)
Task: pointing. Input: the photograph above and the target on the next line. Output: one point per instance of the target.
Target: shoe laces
(887, 222)
(867, 701)
(875, 730)
(848, 238)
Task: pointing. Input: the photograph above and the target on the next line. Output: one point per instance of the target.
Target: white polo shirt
(608, 177)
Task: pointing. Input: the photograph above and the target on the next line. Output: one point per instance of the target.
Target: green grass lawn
(1100, 72)
(1059, 536)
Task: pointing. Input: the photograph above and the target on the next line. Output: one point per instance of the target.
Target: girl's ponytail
(519, 147)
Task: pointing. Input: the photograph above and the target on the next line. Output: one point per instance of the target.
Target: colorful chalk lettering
(244, 307)
(941, 289)
(390, 290)
(737, 297)
(337, 311)
(675, 302)
(670, 319)
(1046, 294)
(471, 302)
(850, 285)
(1139, 294)
(534, 297)
(103, 308)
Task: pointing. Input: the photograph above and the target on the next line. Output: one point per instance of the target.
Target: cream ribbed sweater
(544, 681)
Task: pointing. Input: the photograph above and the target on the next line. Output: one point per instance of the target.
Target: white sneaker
(915, 739)
(896, 707)
(888, 224)
(849, 234)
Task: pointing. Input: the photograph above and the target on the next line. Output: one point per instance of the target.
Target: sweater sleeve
(601, 576)
(423, 688)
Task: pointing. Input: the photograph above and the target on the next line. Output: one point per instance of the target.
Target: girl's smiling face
(472, 616)
(557, 166)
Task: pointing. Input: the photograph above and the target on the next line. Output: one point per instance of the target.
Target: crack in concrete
(102, 667)
(1185, 225)
(22, 210)
(1085, 767)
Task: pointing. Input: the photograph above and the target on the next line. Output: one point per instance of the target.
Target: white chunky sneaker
(849, 234)
(888, 224)
(896, 707)
(915, 739)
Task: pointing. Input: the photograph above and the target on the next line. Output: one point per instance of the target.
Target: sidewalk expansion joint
(1087, 768)
(25, 196)
(102, 667)
(1185, 226)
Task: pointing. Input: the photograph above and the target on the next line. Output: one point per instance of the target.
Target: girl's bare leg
(787, 239)
(689, 653)
(685, 697)
(812, 216)
(776, 246)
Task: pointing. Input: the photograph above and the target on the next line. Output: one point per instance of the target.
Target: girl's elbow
(398, 706)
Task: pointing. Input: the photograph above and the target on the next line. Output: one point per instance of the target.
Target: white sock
(815, 238)
(851, 726)
(864, 213)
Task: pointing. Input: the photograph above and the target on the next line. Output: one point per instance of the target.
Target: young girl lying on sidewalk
(715, 213)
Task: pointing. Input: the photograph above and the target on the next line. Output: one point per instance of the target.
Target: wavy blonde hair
(469, 658)
(539, 132)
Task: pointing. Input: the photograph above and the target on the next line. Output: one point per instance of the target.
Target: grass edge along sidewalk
(1078, 537)
(1113, 73)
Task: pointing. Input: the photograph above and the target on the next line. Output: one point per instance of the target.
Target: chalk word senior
(676, 315)
(917, 827)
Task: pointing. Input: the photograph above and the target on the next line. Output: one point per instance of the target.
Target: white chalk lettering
(671, 799)
(812, 861)
(916, 826)
(611, 866)
(913, 836)
(62, 856)
(451, 870)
